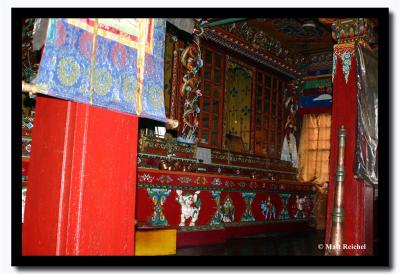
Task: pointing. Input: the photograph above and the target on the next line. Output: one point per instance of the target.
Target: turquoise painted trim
(223, 22)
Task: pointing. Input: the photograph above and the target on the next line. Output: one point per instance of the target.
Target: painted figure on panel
(190, 207)
(268, 209)
(228, 210)
(289, 147)
(301, 205)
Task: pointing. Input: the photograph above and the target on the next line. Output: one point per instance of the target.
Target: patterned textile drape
(314, 149)
(117, 64)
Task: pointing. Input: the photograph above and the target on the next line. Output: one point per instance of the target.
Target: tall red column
(358, 196)
(82, 181)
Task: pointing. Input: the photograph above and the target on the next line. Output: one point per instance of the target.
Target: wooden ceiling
(301, 41)
(298, 34)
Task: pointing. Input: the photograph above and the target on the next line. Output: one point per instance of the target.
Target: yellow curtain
(314, 149)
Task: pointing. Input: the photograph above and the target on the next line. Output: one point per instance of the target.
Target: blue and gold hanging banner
(117, 64)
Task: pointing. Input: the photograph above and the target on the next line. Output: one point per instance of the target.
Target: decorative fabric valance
(117, 64)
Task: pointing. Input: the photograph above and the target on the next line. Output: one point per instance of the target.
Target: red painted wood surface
(234, 232)
(193, 238)
(317, 110)
(369, 218)
(81, 198)
(358, 198)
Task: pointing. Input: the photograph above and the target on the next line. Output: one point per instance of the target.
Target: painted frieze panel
(192, 202)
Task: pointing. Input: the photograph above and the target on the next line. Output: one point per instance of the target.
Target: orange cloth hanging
(314, 149)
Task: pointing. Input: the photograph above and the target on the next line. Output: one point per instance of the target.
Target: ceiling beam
(223, 22)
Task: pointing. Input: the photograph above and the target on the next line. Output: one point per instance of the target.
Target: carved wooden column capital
(354, 30)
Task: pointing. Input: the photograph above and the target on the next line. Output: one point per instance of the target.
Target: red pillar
(82, 181)
(358, 197)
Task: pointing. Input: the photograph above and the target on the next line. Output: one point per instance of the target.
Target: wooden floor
(288, 244)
